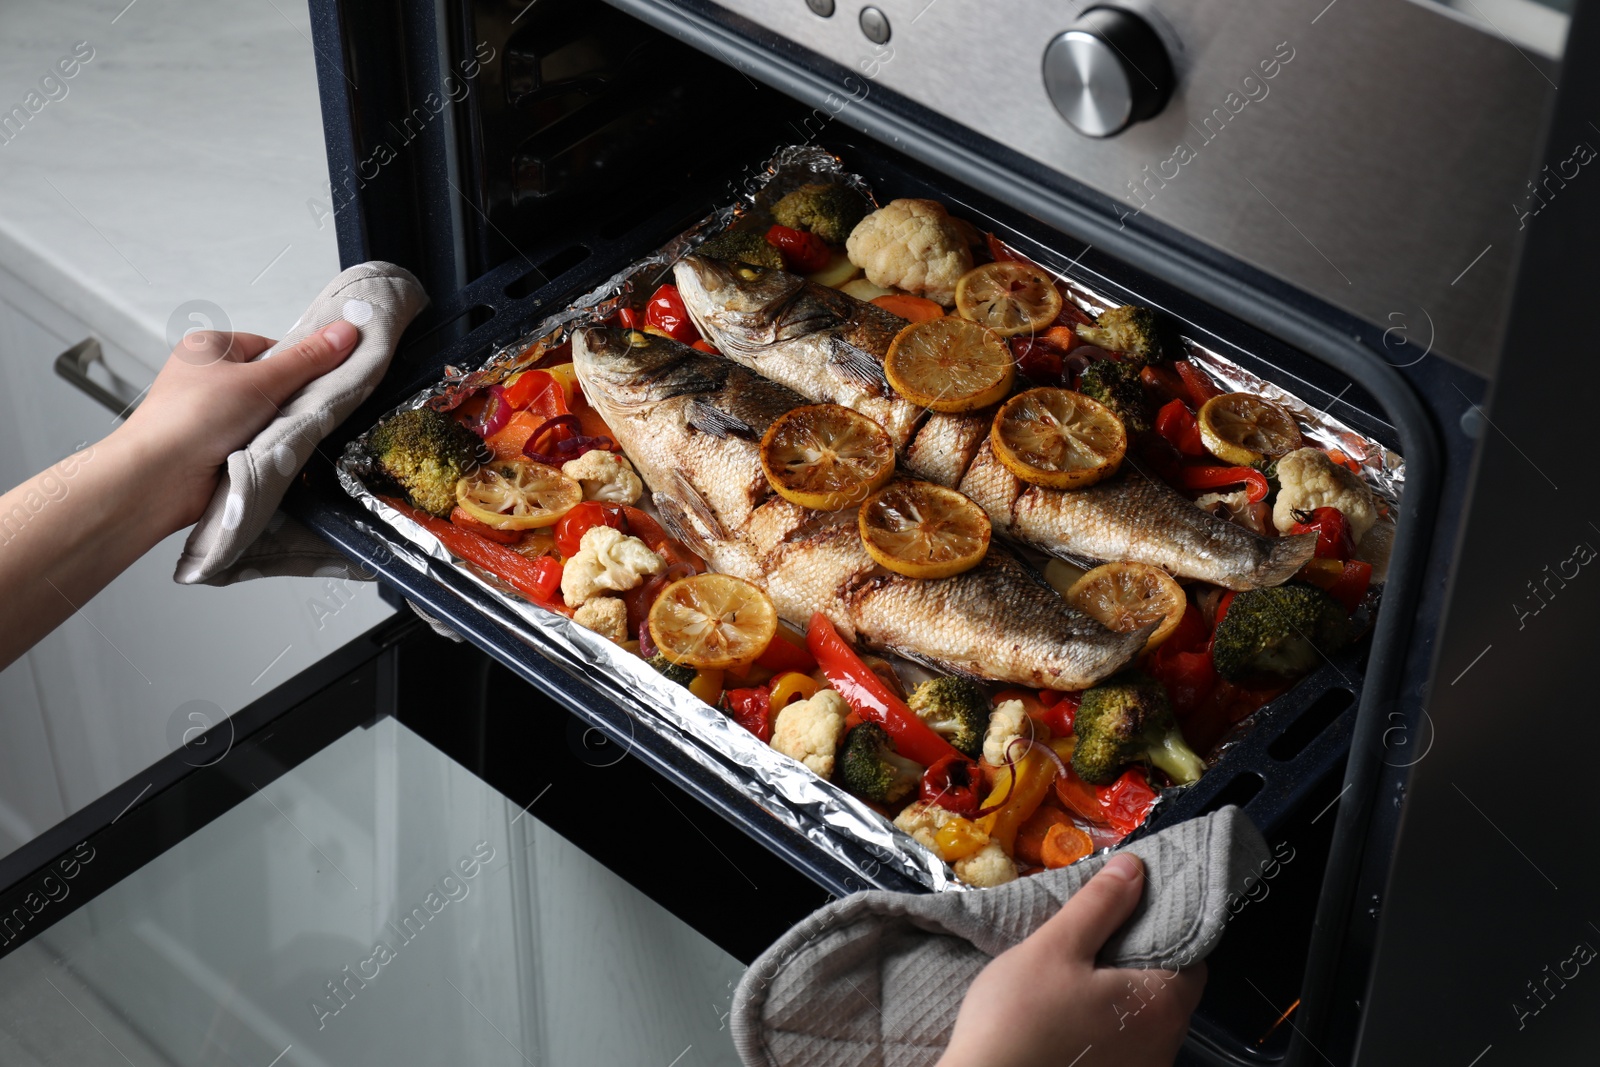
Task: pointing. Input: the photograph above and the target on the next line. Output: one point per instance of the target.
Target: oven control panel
(1371, 152)
(1107, 70)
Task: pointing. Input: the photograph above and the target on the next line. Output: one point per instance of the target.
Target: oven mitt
(876, 978)
(242, 535)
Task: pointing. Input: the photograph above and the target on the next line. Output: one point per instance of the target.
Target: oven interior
(581, 138)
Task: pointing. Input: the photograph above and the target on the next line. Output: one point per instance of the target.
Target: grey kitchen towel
(242, 535)
(876, 978)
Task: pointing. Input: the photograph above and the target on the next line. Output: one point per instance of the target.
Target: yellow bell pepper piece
(707, 685)
(1019, 793)
(786, 688)
(958, 839)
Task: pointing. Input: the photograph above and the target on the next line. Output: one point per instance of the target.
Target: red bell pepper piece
(1199, 387)
(1348, 587)
(752, 709)
(1177, 424)
(1060, 709)
(785, 653)
(1189, 677)
(1080, 797)
(537, 579)
(529, 386)
(865, 692)
(1216, 477)
(1161, 385)
(1127, 800)
(629, 319)
(951, 783)
(666, 312)
(1334, 539)
(461, 518)
(1222, 606)
(803, 253)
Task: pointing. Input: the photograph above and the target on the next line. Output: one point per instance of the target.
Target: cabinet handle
(121, 397)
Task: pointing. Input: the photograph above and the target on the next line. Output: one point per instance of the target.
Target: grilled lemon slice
(712, 622)
(1008, 298)
(826, 457)
(1058, 438)
(923, 530)
(517, 494)
(1243, 429)
(949, 365)
(1128, 596)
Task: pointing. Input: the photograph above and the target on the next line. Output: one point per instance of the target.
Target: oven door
(402, 855)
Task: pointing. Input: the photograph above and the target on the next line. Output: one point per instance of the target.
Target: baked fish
(691, 422)
(829, 347)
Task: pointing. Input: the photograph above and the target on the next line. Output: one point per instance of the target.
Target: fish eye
(749, 274)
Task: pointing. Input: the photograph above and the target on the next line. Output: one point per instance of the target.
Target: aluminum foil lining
(838, 823)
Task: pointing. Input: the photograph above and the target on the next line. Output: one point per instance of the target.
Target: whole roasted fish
(691, 423)
(829, 347)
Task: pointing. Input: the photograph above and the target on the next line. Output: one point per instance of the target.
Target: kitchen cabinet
(113, 688)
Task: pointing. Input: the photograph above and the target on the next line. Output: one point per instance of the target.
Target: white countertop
(177, 166)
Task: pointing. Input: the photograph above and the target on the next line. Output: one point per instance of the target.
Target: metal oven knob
(1107, 71)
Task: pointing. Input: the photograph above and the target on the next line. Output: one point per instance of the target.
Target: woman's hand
(209, 401)
(67, 532)
(1044, 1003)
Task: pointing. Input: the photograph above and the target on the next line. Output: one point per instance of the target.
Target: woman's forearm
(68, 531)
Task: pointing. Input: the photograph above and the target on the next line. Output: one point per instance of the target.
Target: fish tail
(1284, 560)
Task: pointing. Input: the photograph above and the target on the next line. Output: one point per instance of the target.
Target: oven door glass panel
(379, 904)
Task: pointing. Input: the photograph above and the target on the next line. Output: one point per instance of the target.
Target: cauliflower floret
(605, 476)
(809, 730)
(913, 245)
(607, 559)
(1309, 479)
(989, 866)
(1007, 722)
(606, 616)
(922, 822)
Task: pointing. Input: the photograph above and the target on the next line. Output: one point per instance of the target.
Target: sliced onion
(496, 413)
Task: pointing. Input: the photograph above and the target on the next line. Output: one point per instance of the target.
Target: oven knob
(1108, 70)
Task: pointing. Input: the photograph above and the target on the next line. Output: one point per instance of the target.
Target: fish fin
(694, 511)
(1285, 558)
(678, 524)
(707, 418)
(858, 365)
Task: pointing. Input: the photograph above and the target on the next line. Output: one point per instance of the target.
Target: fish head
(741, 305)
(629, 370)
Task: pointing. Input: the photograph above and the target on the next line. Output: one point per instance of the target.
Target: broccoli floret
(1130, 329)
(1117, 386)
(742, 246)
(869, 768)
(674, 672)
(1126, 720)
(426, 453)
(956, 709)
(1280, 631)
(828, 210)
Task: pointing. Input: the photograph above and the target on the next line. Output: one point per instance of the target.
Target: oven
(1368, 201)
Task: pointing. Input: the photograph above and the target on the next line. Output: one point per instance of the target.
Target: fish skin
(784, 327)
(822, 343)
(1132, 517)
(998, 621)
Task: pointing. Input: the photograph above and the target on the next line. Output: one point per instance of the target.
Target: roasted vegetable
(675, 672)
(1127, 720)
(956, 709)
(1130, 329)
(1117, 386)
(826, 209)
(869, 767)
(425, 453)
(1280, 631)
(743, 246)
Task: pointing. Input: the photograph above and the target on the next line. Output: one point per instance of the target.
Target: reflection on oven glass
(1537, 25)
(377, 905)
